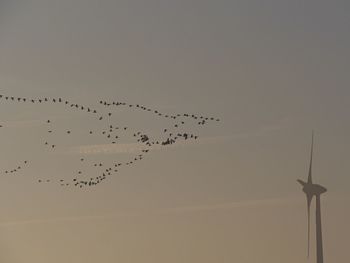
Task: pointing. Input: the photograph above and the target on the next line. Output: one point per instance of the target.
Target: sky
(272, 71)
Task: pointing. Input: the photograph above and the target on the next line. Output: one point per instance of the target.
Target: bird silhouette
(109, 133)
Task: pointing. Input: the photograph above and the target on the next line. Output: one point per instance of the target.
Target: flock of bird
(112, 133)
(203, 119)
(16, 169)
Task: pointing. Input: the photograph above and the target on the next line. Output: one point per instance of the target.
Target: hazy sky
(270, 70)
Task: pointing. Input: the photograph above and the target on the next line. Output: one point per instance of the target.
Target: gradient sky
(270, 70)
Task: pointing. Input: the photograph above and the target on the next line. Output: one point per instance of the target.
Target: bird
(109, 133)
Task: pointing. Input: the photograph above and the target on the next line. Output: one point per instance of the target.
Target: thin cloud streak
(22, 123)
(160, 212)
(137, 147)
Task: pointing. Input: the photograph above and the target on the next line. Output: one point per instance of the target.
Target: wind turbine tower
(314, 190)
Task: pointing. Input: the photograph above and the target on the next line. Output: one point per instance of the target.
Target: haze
(272, 71)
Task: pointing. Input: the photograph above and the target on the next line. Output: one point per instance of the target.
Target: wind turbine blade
(309, 199)
(309, 179)
(301, 182)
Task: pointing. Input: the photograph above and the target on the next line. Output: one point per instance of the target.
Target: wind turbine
(311, 190)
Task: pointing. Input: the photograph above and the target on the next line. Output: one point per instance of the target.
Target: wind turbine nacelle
(314, 189)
